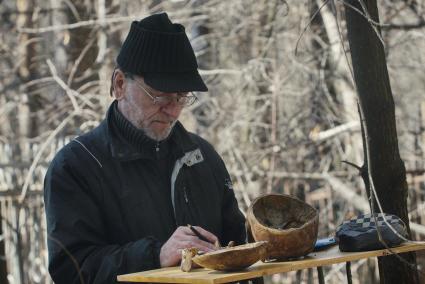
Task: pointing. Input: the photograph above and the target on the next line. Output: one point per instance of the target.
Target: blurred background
(281, 107)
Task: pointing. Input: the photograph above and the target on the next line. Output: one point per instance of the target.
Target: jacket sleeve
(76, 234)
(233, 221)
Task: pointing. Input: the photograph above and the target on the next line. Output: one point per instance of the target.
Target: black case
(360, 233)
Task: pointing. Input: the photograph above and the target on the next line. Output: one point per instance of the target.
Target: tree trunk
(374, 90)
(341, 82)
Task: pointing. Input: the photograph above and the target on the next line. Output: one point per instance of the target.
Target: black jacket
(105, 215)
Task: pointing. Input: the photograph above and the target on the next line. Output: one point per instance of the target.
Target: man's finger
(207, 235)
(199, 244)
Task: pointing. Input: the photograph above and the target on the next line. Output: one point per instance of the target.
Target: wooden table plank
(315, 259)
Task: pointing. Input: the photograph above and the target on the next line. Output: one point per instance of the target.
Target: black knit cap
(160, 51)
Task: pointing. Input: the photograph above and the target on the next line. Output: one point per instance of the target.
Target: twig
(77, 25)
(68, 91)
(329, 133)
(219, 71)
(353, 165)
(78, 60)
(40, 152)
(92, 23)
(308, 25)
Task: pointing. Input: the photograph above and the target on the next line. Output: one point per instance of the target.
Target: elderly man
(118, 199)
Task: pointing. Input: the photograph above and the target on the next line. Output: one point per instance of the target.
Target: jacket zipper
(185, 195)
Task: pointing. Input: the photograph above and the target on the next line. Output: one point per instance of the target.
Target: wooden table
(315, 259)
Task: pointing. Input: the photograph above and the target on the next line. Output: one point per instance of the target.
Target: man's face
(155, 119)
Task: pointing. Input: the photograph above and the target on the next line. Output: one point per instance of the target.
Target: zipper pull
(157, 150)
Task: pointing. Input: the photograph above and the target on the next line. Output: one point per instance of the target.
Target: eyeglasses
(182, 99)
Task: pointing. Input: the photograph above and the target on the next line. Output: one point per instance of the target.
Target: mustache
(160, 117)
(163, 120)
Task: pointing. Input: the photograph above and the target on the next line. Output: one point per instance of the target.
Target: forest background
(281, 107)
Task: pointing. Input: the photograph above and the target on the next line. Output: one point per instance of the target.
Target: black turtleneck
(137, 137)
(157, 154)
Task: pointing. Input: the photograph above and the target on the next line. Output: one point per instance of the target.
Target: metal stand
(348, 271)
(259, 280)
(320, 275)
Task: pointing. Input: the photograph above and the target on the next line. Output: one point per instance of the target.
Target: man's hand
(182, 238)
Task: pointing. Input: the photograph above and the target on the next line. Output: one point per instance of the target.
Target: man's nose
(172, 109)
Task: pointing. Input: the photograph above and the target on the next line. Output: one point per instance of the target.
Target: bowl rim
(247, 246)
(280, 231)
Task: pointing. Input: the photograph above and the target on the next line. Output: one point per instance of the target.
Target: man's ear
(120, 84)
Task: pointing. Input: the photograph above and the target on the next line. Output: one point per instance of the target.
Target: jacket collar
(179, 142)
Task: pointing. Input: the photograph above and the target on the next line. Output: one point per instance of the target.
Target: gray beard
(161, 136)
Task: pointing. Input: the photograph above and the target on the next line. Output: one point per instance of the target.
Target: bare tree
(383, 161)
